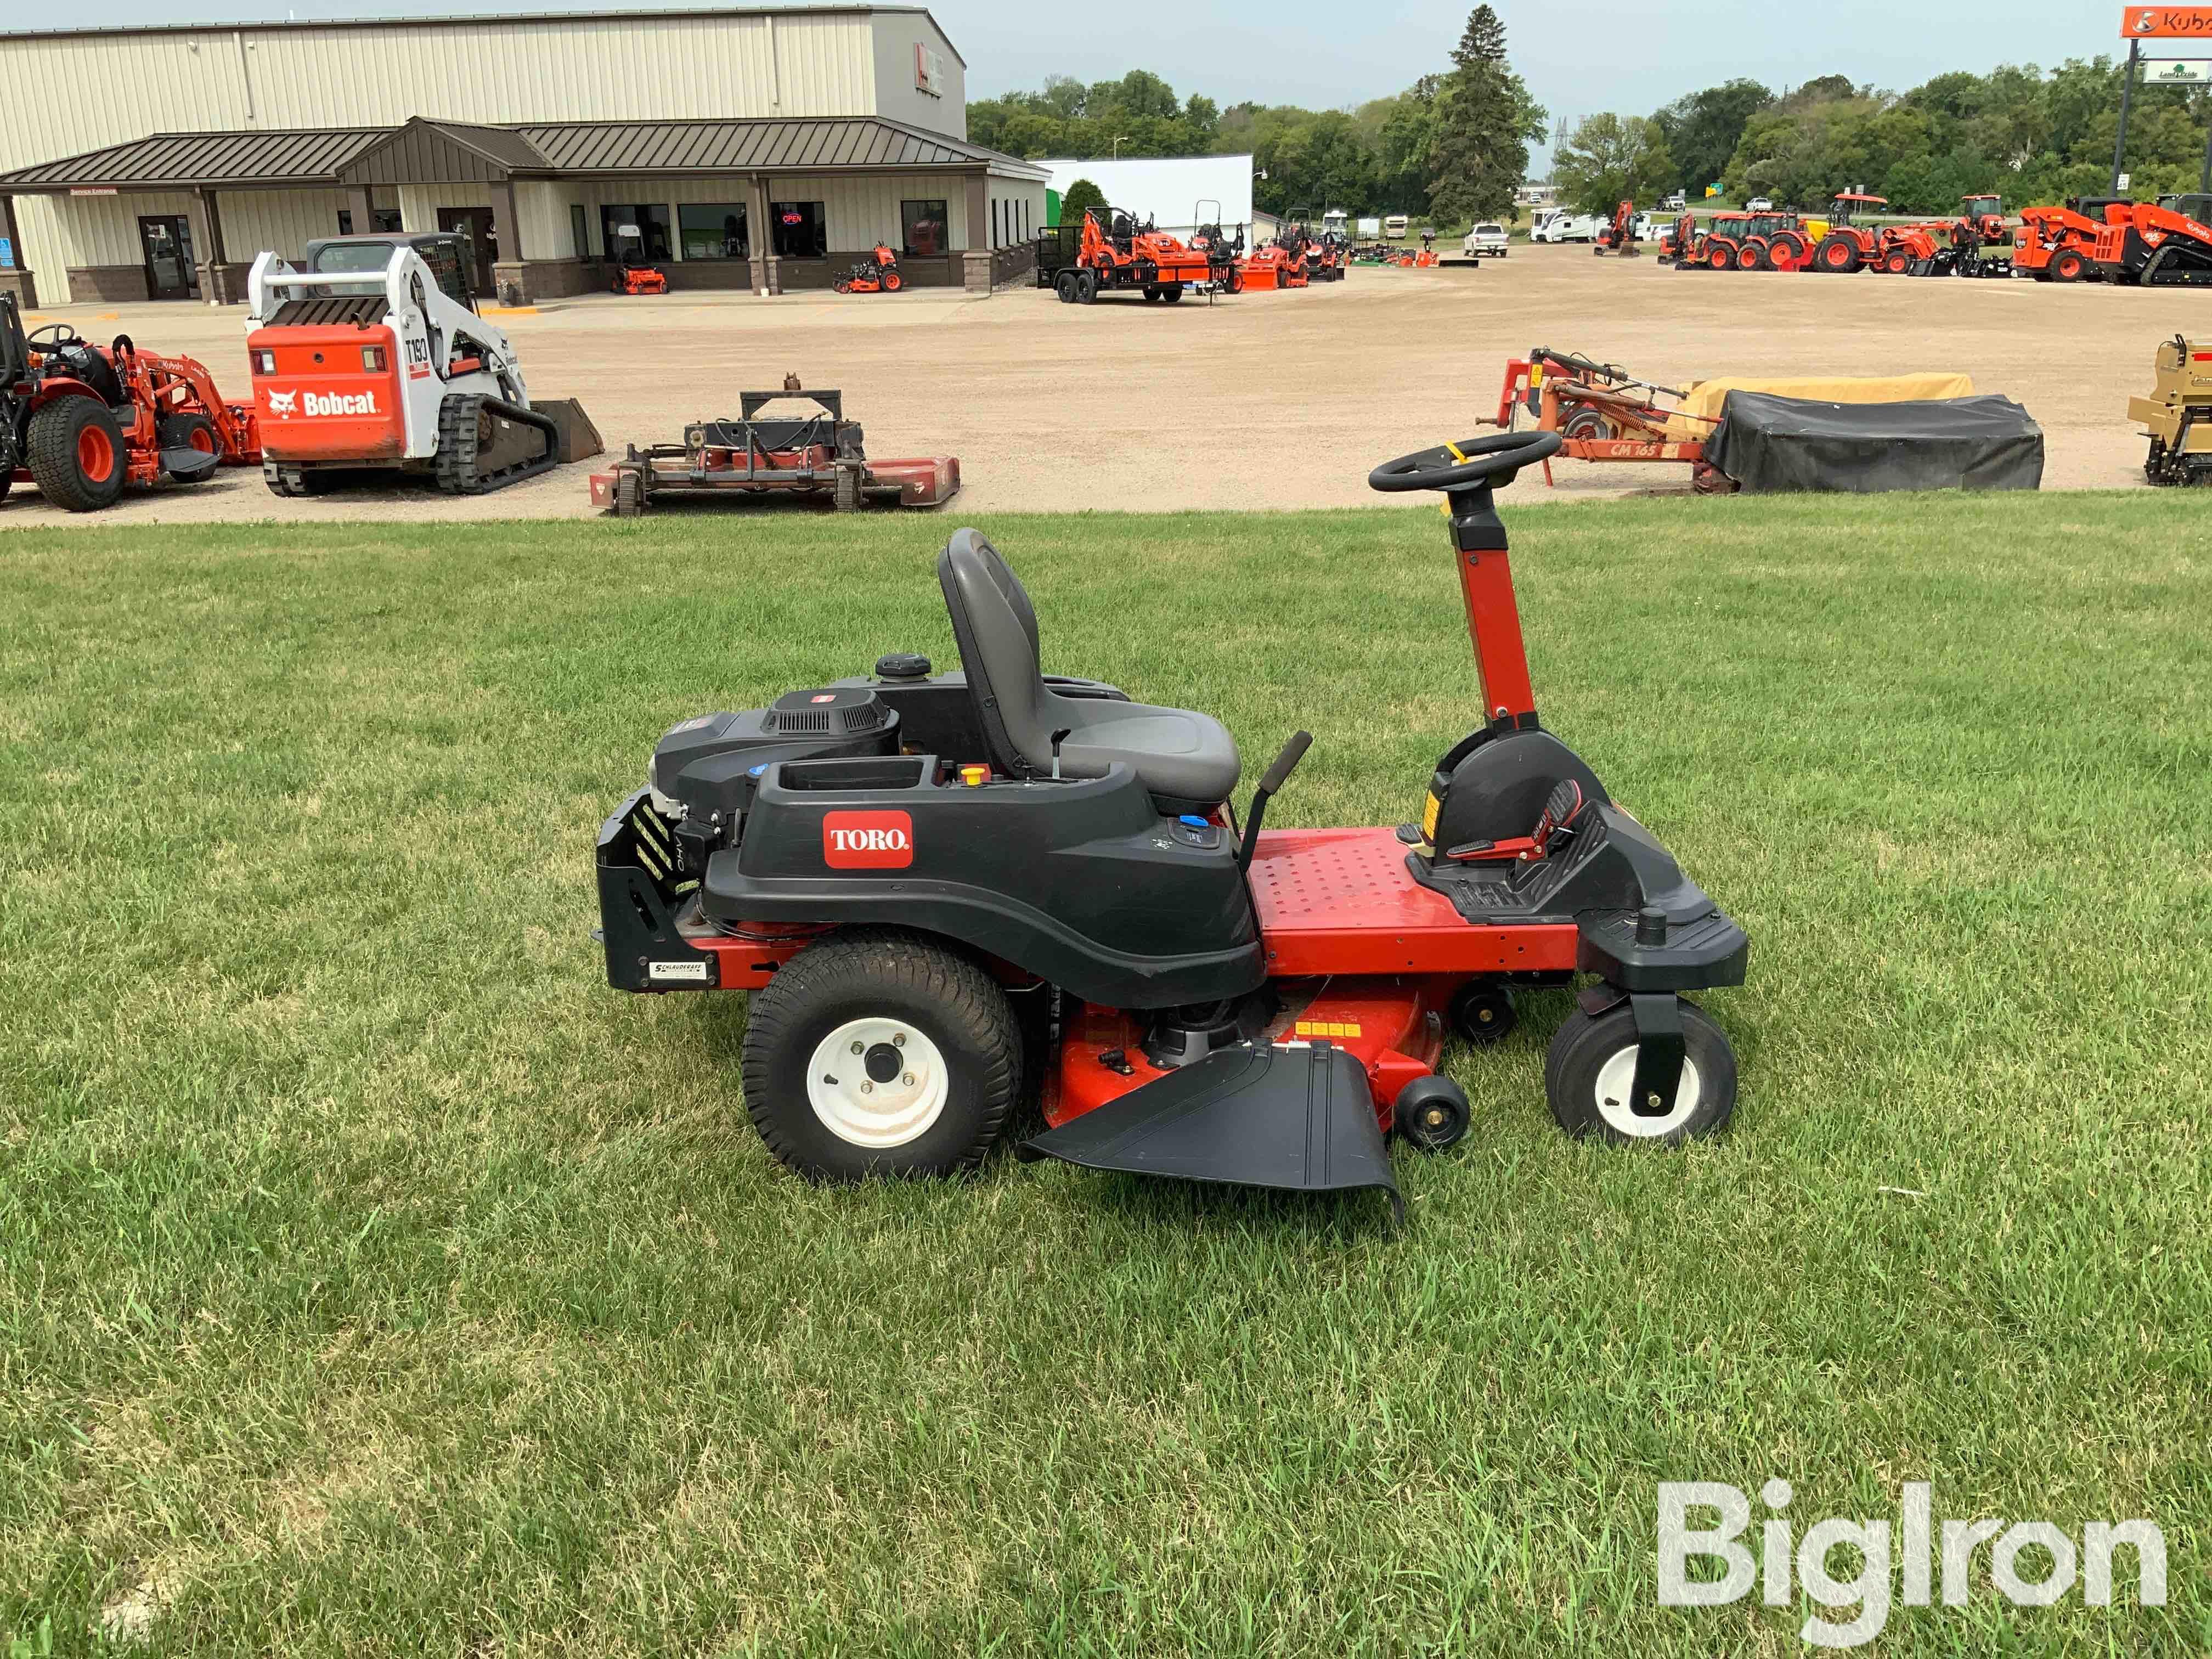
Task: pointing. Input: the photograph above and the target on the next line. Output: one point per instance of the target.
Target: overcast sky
(1578, 56)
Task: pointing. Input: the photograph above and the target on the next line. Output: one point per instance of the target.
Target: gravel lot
(1265, 400)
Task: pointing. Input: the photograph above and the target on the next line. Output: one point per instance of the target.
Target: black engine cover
(711, 765)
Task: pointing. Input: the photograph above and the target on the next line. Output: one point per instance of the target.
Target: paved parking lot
(1264, 400)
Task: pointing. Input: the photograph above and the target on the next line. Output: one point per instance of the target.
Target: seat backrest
(996, 628)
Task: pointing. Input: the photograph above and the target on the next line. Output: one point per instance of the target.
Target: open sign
(793, 216)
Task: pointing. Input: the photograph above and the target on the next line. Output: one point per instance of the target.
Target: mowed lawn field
(374, 1280)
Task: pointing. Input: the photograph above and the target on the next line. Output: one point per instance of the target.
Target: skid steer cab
(373, 358)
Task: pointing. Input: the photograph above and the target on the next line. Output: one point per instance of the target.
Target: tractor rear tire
(1751, 256)
(1719, 253)
(938, 1072)
(1838, 253)
(76, 454)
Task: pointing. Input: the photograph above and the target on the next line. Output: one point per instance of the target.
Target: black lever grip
(1286, 763)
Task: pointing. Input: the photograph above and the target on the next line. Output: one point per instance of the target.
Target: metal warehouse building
(763, 148)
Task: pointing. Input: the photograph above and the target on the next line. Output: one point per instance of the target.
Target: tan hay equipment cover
(1706, 397)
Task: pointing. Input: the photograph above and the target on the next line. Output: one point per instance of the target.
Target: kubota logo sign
(287, 403)
(2166, 23)
(867, 840)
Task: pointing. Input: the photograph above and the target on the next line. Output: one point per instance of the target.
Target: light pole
(1118, 141)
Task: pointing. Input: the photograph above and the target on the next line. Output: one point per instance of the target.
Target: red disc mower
(944, 890)
(876, 274)
(82, 422)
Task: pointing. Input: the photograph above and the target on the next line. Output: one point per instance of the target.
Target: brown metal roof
(181, 160)
(431, 151)
(744, 145)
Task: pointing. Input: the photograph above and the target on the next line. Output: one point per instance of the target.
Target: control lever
(1058, 738)
(1272, 784)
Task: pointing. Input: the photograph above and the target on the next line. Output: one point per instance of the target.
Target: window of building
(801, 231)
(922, 225)
(382, 222)
(714, 230)
(650, 219)
(582, 243)
(998, 232)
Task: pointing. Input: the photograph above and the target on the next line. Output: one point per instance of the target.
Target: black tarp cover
(1767, 444)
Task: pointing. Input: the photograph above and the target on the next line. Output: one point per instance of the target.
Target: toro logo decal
(867, 840)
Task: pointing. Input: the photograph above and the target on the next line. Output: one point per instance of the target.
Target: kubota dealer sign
(2166, 23)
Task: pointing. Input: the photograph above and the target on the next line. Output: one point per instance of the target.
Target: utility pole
(2127, 93)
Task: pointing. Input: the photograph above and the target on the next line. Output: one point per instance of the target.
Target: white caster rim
(878, 1083)
(1615, 1083)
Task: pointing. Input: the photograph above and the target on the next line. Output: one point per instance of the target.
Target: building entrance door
(475, 224)
(167, 243)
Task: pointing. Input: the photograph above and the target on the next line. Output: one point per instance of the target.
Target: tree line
(1453, 146)
(2018, 132)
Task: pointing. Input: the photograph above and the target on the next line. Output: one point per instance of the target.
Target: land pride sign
(2166, 23)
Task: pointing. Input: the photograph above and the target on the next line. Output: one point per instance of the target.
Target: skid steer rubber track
(486, 444)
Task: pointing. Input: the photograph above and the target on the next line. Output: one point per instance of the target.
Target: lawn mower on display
(816, 454)
(83, 422)
(944, 889)
(634, 273)
(876, 274)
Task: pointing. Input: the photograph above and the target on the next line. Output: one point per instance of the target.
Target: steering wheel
(64, 337)
(1471, 464)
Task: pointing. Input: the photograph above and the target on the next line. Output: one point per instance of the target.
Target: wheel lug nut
(898, 1039)
(908, 1079)
(867, 1088)
(857, 1048)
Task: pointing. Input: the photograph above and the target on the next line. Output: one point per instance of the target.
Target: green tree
(1701, 129)
(1485, 121)
(1077, 198)
(1605, 159)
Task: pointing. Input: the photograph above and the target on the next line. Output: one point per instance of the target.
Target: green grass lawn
(376, 1280)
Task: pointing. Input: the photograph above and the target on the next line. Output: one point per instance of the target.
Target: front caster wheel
(880, 1053)
(1593, 1062)
(1483, 1014)
(1433, 1113)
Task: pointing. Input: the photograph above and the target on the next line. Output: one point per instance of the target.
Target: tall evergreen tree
(1479, 154)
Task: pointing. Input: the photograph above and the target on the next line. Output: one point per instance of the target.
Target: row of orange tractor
(1113, 252)
(2166, 243)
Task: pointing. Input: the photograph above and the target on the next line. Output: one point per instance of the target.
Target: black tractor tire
(76, 454)
(1483, 1014)
(1433, 1113)
(889, 985)
(1592, 1060)
(1837, 254)
(629, 495)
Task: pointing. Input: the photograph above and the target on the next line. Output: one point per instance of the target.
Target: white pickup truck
(1488, 240)
(1561, 226)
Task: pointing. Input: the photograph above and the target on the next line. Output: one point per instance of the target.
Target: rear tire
(893, 282)
(1592, 1062)
(1837, 254)
(76, 454)
(899, 998)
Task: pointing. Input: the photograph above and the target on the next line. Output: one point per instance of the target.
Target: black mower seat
(1182, 756)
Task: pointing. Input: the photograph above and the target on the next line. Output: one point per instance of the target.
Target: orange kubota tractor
(1125, 255)
(1898, 250)
(1619, 236)
(82, 422)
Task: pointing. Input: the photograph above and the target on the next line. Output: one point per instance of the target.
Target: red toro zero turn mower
(935, 884)
(81, 421)
(876, 274)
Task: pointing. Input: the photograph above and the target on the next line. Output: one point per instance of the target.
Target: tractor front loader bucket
(1297, 1119)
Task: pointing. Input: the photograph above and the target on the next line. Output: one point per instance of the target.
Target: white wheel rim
(1616, 1081)
(863, 1108)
